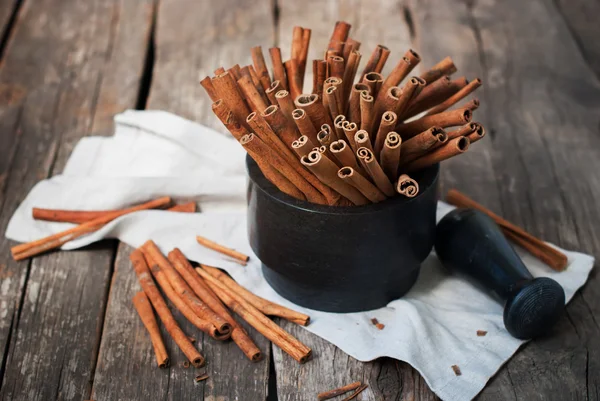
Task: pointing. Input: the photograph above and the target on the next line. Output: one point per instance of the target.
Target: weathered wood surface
(53, 69)
(68, 66)
(189, 41)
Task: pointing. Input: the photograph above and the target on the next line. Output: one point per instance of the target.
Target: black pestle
(470, 242)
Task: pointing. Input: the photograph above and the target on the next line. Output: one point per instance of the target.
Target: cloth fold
(155, 153)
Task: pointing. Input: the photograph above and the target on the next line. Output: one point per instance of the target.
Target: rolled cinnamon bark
(284, 128)
(185, 292)
(326, 171)
(354, 103)
(373, 80)
(278, 69)
(366, 111)
(390, 155)
(266, 307)
(256, 319)
(370, 164)
(206, 83)
(260, 67)
(361, 138)
(335, 67)
(314, 109)
(304, 125)
(250, 92)
(444, 67)
(422, 143)
(266, 133)
(389, 120)
(350, 130)
(455, 98)
(227, 89)
(329, 82)
(454, 147)
(237, 256)
(407, 186)
(201, 289)
(465, 130)
(333, 101)
(340, 34)
(434, 94)
(410, 91)
(306, 34)
(472, 104)
(477, 134)
(400, 71)
(292, 72)
(273, 89)
(345, 155)
(162, 310)
(235, 71)
(219, 71)
(302, 146)
(349, 46)
(324, 136)
(358, 181)
(296, 48)
(349, 74)
(444, 119)
(253, 75)
(144, 310)
(285, 102)
(388, 102)
(259, 150)
(376, 61)
(319, 76)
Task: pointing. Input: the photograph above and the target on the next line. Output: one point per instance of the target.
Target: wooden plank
(540, 111)
(192, 39)
(51, 76)
(373, 23)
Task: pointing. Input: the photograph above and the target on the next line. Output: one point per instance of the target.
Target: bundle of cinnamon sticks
(205, 296)
(355, 138)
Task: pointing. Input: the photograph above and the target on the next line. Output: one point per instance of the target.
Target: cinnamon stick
(235, 255)
(538, 248)
(422, 143)
(464, 130)
(333, 101)
(477, 134)
(354, 103)
(373, 168)
(326, 395)
(302, 146)
(227, 89)
(349, 74)
(305, 126)
(235, 71)
(356, 393)
(335, 67)
(306, 34)
(82, 216)
(206, 83)
(292, 72)
(390, 155)
(278, 69)
(389, 120)
(285, 102)
(338, 125)
(444, 67)
(373, 80)
(256, 319)
(201, 289)
(407, 186)
(345, 155)
(273, 89)
(366, 111)
(434, 94)
(349, 131)
(455, 98)
(33, 248)
(361, 138)
(144, 310)
(326, 171)
(319, 76)
(283, 127)
(453, 147)
(444, 119)
(358, 181)
(349, 46)
(162, 310)
(400, 71)
(267, 307)
(260, 67)
(314, 109)
(340, 34)
(472, 104)
(376, 61)
(387, 102)
(150, 250)
(250, 92)
(410, 91)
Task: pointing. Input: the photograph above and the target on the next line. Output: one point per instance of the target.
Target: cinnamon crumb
(200, 378)
(186, 364)
(376, 323)
(192, 339)
(456, 370)
(481, 333)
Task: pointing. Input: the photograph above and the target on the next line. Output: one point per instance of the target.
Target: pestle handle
(469, 242)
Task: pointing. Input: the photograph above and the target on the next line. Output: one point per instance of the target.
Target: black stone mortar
(341, 259)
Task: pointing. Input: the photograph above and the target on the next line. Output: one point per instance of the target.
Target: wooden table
(67, 327)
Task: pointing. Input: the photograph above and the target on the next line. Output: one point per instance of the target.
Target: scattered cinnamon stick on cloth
(538, 248)
(235, 255)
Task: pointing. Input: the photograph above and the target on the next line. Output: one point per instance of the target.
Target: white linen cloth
(154, 153)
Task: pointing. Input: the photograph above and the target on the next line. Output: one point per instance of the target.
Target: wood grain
(52, 72)
(184, 54)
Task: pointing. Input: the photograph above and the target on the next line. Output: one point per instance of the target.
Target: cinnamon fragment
(380, 326)
(481, 333)
(451, 148)
(238, 256)
(358, 181)
(33, 248)
(278, 69)
(200, 378)
(189, 207)
(370, 164)
(267, 307)
(326, 395)
(456, 370)
(390, 155)
(445, 119)
(455, 98)
(144, 310)
(407, 186)
(552, 257)
(356, 393)
(162, 310)
(256, 319)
